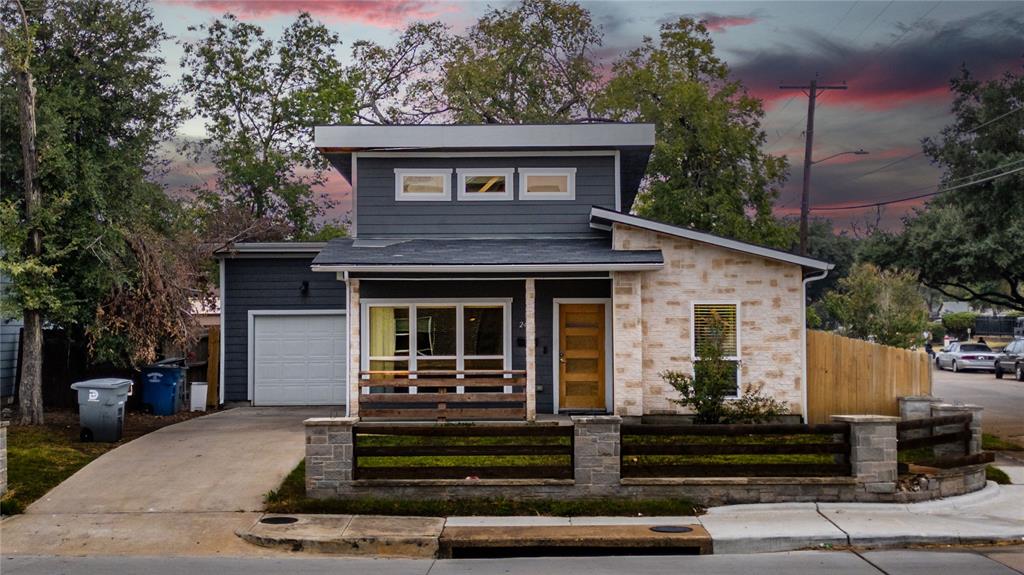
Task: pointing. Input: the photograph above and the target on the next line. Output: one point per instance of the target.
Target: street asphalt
(993, 561)
(1003, 399)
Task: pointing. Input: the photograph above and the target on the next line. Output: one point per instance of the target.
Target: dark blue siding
(379, 215)
(263, 284)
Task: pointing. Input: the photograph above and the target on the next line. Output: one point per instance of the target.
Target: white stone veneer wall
(770, 297)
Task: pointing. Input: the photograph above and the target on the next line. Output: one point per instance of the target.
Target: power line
(912, 26)
(916, 154)
(917, 197)
(872, 23)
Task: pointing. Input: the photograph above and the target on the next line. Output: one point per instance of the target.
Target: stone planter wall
(596, 460)
(3, 457)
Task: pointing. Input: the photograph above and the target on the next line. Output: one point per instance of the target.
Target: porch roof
(421, 255)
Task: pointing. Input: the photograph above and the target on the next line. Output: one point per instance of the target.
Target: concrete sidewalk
(992, 515)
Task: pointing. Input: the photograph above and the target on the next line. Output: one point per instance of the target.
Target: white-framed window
(436, 335)
(547, 183)
(702, 323)
(485, 184)
(421, 185)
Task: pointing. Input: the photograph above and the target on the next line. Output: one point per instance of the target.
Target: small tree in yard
(713, 376)
(959, 323)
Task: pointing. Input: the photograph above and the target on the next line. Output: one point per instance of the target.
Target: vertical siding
(547, 291)
(379, 215)
(264, 284)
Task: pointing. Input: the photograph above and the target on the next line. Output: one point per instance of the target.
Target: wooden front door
(581, 356)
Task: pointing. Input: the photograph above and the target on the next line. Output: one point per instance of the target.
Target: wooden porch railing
(436, 395)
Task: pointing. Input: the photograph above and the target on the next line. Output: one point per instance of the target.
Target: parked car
(1018, 329)
(959, 356)
(1011, 360)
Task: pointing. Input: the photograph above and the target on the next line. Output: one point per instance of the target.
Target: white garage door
(299, 360)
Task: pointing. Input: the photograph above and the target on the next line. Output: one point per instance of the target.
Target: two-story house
(501, 264)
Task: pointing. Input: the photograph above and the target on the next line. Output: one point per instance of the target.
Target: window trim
(401, 173)
(569, 194)
(460, 305)
(738, 358)
(464, 196)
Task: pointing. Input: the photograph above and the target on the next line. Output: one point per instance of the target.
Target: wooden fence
(851, 376)
(462, 451)
(952, 431)
(775, 450)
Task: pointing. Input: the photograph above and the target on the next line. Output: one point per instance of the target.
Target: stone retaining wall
(3, 457)
(597, 463)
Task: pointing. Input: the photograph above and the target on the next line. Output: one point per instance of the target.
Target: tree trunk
(30, 390)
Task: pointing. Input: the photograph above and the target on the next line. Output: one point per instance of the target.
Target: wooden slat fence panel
(421, 451)
(850, 376)
(778, 450)
(437, 396)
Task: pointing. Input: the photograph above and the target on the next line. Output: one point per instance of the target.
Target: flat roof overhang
(347, 139)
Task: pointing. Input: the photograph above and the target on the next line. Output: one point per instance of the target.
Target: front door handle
(561, 357)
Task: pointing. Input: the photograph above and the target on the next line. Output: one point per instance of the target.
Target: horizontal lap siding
(379, 215)
(266, 284)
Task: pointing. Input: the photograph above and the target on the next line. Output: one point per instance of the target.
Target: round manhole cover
(278, 520)
(671, 529)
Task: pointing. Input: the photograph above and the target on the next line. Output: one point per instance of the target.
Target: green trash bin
(101, 408)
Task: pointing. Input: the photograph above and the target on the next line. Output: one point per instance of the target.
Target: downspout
(803, 338)
(348, 342)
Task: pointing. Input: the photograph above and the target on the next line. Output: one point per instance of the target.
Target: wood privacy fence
(852, 377)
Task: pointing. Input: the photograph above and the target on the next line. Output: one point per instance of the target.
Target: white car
(959, 356)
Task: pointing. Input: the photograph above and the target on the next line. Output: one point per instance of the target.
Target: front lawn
(291, 498)
(993, 443)
(40, 457)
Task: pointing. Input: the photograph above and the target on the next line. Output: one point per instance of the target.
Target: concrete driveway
(220, 462)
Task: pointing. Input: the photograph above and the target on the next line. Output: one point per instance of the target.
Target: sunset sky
(896, 58)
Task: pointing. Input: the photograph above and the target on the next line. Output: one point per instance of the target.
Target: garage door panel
(299, 360)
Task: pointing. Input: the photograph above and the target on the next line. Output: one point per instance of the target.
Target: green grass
(38, 458)
(457, 460)
(993, 443)
(997, 475)
(726, 440)
(291, 498)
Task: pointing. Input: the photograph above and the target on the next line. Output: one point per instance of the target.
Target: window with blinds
(703, 324)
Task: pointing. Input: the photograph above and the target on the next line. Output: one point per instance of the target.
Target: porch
(500, 349)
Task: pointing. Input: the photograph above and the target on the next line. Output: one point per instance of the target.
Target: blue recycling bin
(162, 386)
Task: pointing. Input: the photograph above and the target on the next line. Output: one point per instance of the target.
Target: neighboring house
(10, 334)
(499, 249)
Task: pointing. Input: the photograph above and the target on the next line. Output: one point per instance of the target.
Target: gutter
(803, 338)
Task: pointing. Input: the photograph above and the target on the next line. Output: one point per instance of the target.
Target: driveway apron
(221, 462)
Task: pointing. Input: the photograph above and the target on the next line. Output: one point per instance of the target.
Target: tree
(826, 245)
(883, 305)
(959, 324)
(17, 46)
(529, 64)
(260, 100)
(108, 232)
(707, 170)
(968, 243)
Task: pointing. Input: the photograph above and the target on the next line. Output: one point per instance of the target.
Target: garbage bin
(162, 386)
(198, 395)
(101, 408)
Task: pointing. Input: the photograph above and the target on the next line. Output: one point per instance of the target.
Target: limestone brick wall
(770, 298)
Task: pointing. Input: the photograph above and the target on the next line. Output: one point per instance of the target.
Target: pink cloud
(380, 13)
(721, 23)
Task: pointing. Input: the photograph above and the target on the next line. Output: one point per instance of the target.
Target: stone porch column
(627, 338)
(531, 350)
(354, 346)
(872, 450)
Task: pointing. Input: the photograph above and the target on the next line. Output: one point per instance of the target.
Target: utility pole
(812, 90)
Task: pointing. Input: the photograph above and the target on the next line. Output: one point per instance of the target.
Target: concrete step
(571, 540)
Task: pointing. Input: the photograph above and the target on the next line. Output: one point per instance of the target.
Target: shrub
(937, 330)
(958, 323)
(754, 407)
(713, 379)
